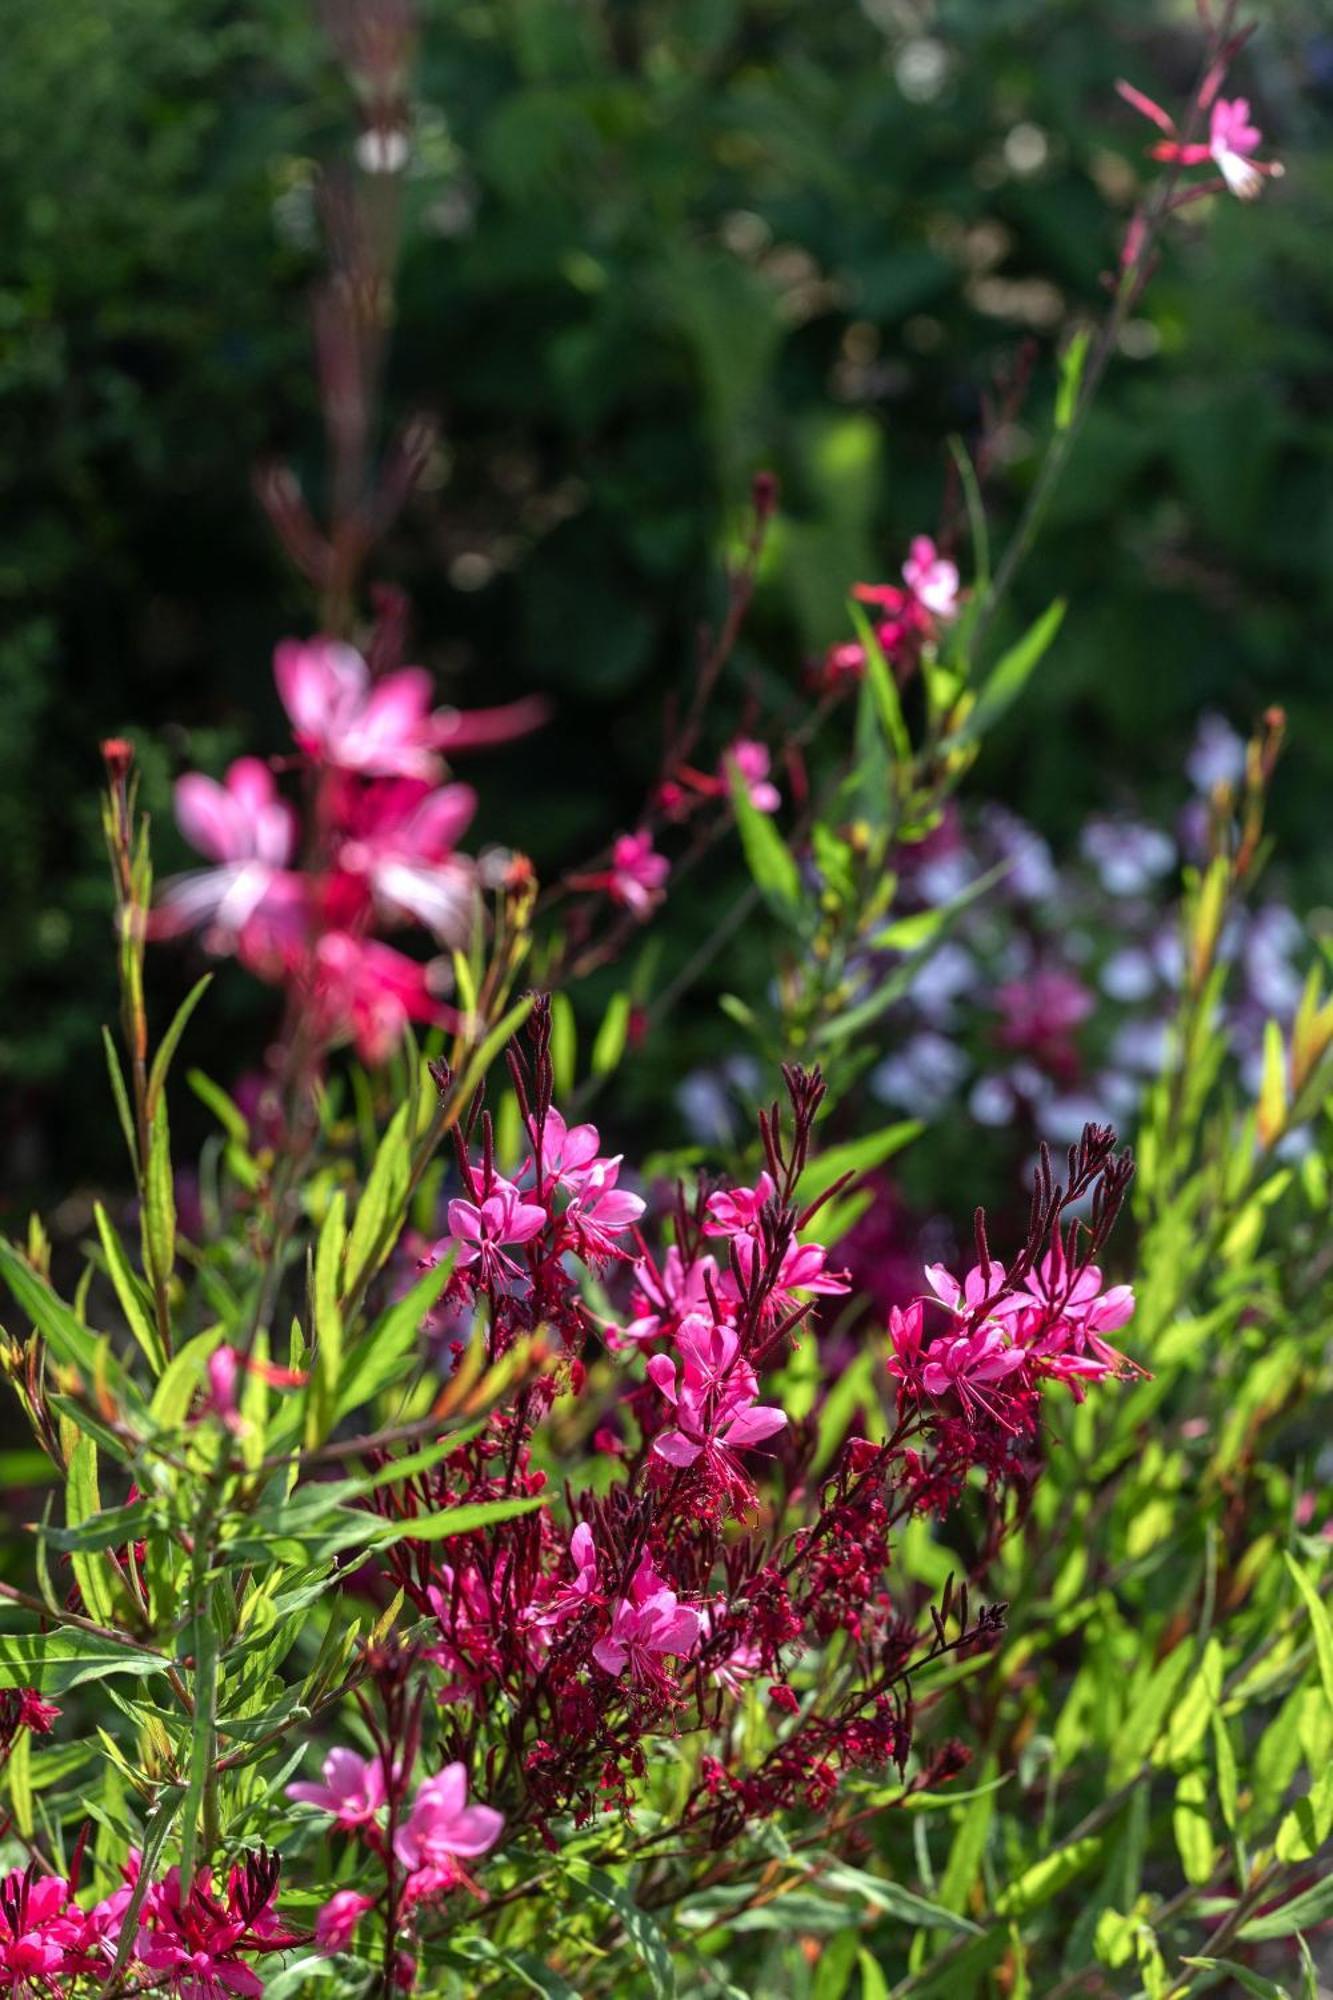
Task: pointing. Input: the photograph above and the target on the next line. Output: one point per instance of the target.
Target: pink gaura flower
(367, 991)
(336, 1921)
(43, 1935)
(715, 1400)
(803, 1270)
(733, 1209)
(339, 716)
(931, 578)
(249, 833)
(1230, 146)
(399, 839)
(965, 1362)
(564, 1601)
(599, 1212)
(664, 1295)
(647, 1627)
(752, 761)
(353, 1790)
(442, 1830)
(982, 1287)
(485, 1231)
(193, 1942)
(638, 874)
(569, 1153)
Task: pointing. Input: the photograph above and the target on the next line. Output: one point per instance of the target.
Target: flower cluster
(194, 1943)
(380, 847)
(908, 616)
(705, 1549)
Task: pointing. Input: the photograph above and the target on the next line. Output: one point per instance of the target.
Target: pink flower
(663, 1297)
(932, 580)
(963, 1361)
(569, 1153)
(194, 1941)
(336, 1921)
(353, 1790)
(224, 1369)
(1232, 141)
(753, 762)
(339, 717)
(715, 1401)
(368, 991)
(803, 1270)
(399, 840)
(42, 1934)
(638, 874)
(733, 1209)
(442, 1829)
(482, 1230)
(1230, 145)
(566, 1600)
(250, 834)
(646, 1627)
(599, 1212)
(982, 1287)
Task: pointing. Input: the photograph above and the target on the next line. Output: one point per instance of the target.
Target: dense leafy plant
(468, 1562)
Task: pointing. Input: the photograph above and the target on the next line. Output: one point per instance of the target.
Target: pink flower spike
(336, 1921)
(353, 1789)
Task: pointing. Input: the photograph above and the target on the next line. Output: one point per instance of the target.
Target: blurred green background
(650, 248)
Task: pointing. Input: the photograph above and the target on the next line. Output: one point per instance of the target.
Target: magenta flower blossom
(193, 1942)
(931, 578)
(442, 1829)
(733, 1209)
(599, 1212)
(665, 1295)
(638, 874)
(564, 1601)
(368, 992)
(353, 1789)
(380, 729)
(647, 1627)
(42, 1934)
(483, 1232)
(336, 1921)
(1230, 146)
(803, 1270)
(249, 833)
(715, 1400)
(569, 1153)
(399, 842)
(966, 1361)
(982, 1287)
(753, 762)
